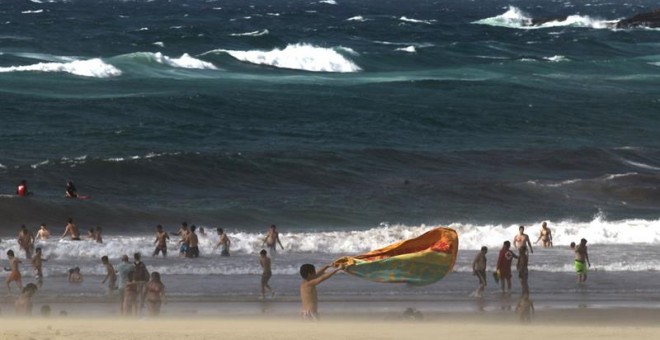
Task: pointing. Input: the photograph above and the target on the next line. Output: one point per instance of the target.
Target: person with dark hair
(71, 191)
(272, 239)
(266, 274)
(581, 256)
(36, 264)
(141, 277)
(14, 271)
(308, 295)
(72, 230)
(155, 294)
(223, 242)
(26, 241)
(523, 269)
(110, 276)
(23, 304)
(130, 295)
(161, 241)
(193, 243)
(504, 261)
(122, 270)
(479, 270)
(522, 239)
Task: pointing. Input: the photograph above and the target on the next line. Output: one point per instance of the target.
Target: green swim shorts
(580, 267)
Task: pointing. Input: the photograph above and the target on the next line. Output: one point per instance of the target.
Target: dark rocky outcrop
(541, 21)
(649, 19)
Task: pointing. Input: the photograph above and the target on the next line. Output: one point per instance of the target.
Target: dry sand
(620, 324)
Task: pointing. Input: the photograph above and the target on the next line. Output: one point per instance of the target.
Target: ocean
(350, 124)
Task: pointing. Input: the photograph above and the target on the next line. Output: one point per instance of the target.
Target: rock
(649, 19)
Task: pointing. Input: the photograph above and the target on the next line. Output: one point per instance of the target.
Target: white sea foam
(409, 49)
(297, 57)
(641, 165)
(251, 34)
(328, 2)
(95, 68)
(416, 21)
(606, 238)
(516, 18)
(358, 18)
(159, 43)
(185, 61)
(556, 58)
(37, 11)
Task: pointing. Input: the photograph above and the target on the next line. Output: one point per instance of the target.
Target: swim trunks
(161, 249)
(265, 277)
(580, 266)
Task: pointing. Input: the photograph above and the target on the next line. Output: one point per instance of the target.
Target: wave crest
(297, 57)
(94, 68)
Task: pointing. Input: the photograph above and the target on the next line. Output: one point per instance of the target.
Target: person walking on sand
(272, 239)
(581, 256)
(545, 235)
(523, 270)
(479, 270)
(504, 260)
(161, 241)
(308, 295)
(223, 243)
(522, 239)
(72, 230)
(266, 274)
(14, 271)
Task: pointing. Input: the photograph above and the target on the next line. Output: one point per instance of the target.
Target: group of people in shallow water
(132, 280)
(523, 245)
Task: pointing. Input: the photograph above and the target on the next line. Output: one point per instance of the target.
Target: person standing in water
(523, 269)
(26, 241)
(265, 262)
(581, 256)
(161, 241)
(504, 260)
(545, 235)
(272, 239)
(14, 271)
(72, 230)
(22, 190)
(479, 270)
(223, 243)
(522, 239)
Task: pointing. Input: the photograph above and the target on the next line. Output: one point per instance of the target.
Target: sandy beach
(585, 324)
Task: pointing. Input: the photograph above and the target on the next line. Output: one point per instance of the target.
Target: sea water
(349, 124)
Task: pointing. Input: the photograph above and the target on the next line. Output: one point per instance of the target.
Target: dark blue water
(314, 115)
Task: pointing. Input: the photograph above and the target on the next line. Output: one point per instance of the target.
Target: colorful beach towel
(419, 261)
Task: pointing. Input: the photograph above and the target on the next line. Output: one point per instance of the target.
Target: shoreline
(587, 324)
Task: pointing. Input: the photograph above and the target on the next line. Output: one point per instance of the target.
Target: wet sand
(583, 323)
